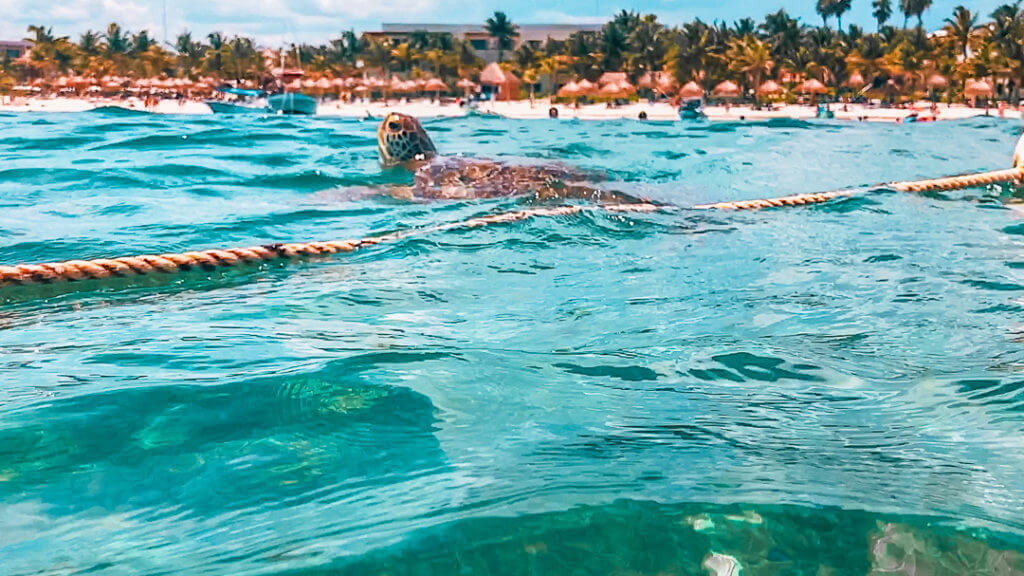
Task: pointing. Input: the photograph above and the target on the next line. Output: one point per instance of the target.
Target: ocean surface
(824, 390)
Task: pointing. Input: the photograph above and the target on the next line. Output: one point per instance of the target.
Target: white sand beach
(522, 109)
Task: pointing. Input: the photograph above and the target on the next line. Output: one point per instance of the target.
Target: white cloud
(558, 17)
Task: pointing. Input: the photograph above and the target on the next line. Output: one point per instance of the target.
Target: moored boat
(247, 102)
(292, 103)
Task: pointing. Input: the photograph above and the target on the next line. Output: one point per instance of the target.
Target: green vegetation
(903, 59)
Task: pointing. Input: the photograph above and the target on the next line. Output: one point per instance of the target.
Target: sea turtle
(402, 142)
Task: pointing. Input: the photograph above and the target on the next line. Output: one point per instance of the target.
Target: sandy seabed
(523, 109)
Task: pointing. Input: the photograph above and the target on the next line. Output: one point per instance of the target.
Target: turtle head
(401, 140)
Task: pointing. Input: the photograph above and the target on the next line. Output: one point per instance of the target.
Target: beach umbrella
(937, 81)
(769, 88)
(855, 81)
(308, 83)
(691, 90)
(611, 90)
(626, 88)
(813, 86)
(323, 83)
(570, 90)
(612, 78)
(588, 88)
(436, 85)
(294, 85)
(338, 83)
(645, 81)
(974, 88)
(726, 89)
(665, 83)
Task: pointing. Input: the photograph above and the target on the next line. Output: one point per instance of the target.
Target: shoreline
(522, 110)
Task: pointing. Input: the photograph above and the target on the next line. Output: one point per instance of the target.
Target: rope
(1015, 174)
(794, 200)
(950, 183)
(218, 258)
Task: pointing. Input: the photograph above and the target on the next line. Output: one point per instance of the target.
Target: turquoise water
(834, 389)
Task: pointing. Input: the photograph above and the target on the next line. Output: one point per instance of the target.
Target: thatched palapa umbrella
(435, 85)
(466, 84)
(855, 81)
(769, 88)
(726, 89)
(570, 90)
(936, 81)
(691, 90)
(977, 89)
(813, 87)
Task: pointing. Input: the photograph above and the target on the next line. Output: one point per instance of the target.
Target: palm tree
(189, 52)
(648, 43)
(961, 26)
(465, 58)
(503, 30)
(141, 42)
(824, 8)
(882, 10)
(89, 43)
(213, 61)
(751, 57)
(690, 51)
(744, 26)
(914, 8)
(782, 33)
(404, 55)
(614, 44)
(839, 8)
(117, 40)
(243, 56)
(40, 35)
(378, 55)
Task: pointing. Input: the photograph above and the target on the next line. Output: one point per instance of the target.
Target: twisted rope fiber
(217, 258)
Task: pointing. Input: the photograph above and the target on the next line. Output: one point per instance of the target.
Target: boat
(248, 102)
(287, 102)
(691, 109)
(292, 103)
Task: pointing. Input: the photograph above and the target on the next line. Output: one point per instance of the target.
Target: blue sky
(275, 22)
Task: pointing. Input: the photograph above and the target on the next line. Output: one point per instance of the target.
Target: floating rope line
(949, 183)
(218, 258)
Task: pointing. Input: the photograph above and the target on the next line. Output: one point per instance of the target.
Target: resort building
(483, 43)
(13, 49)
